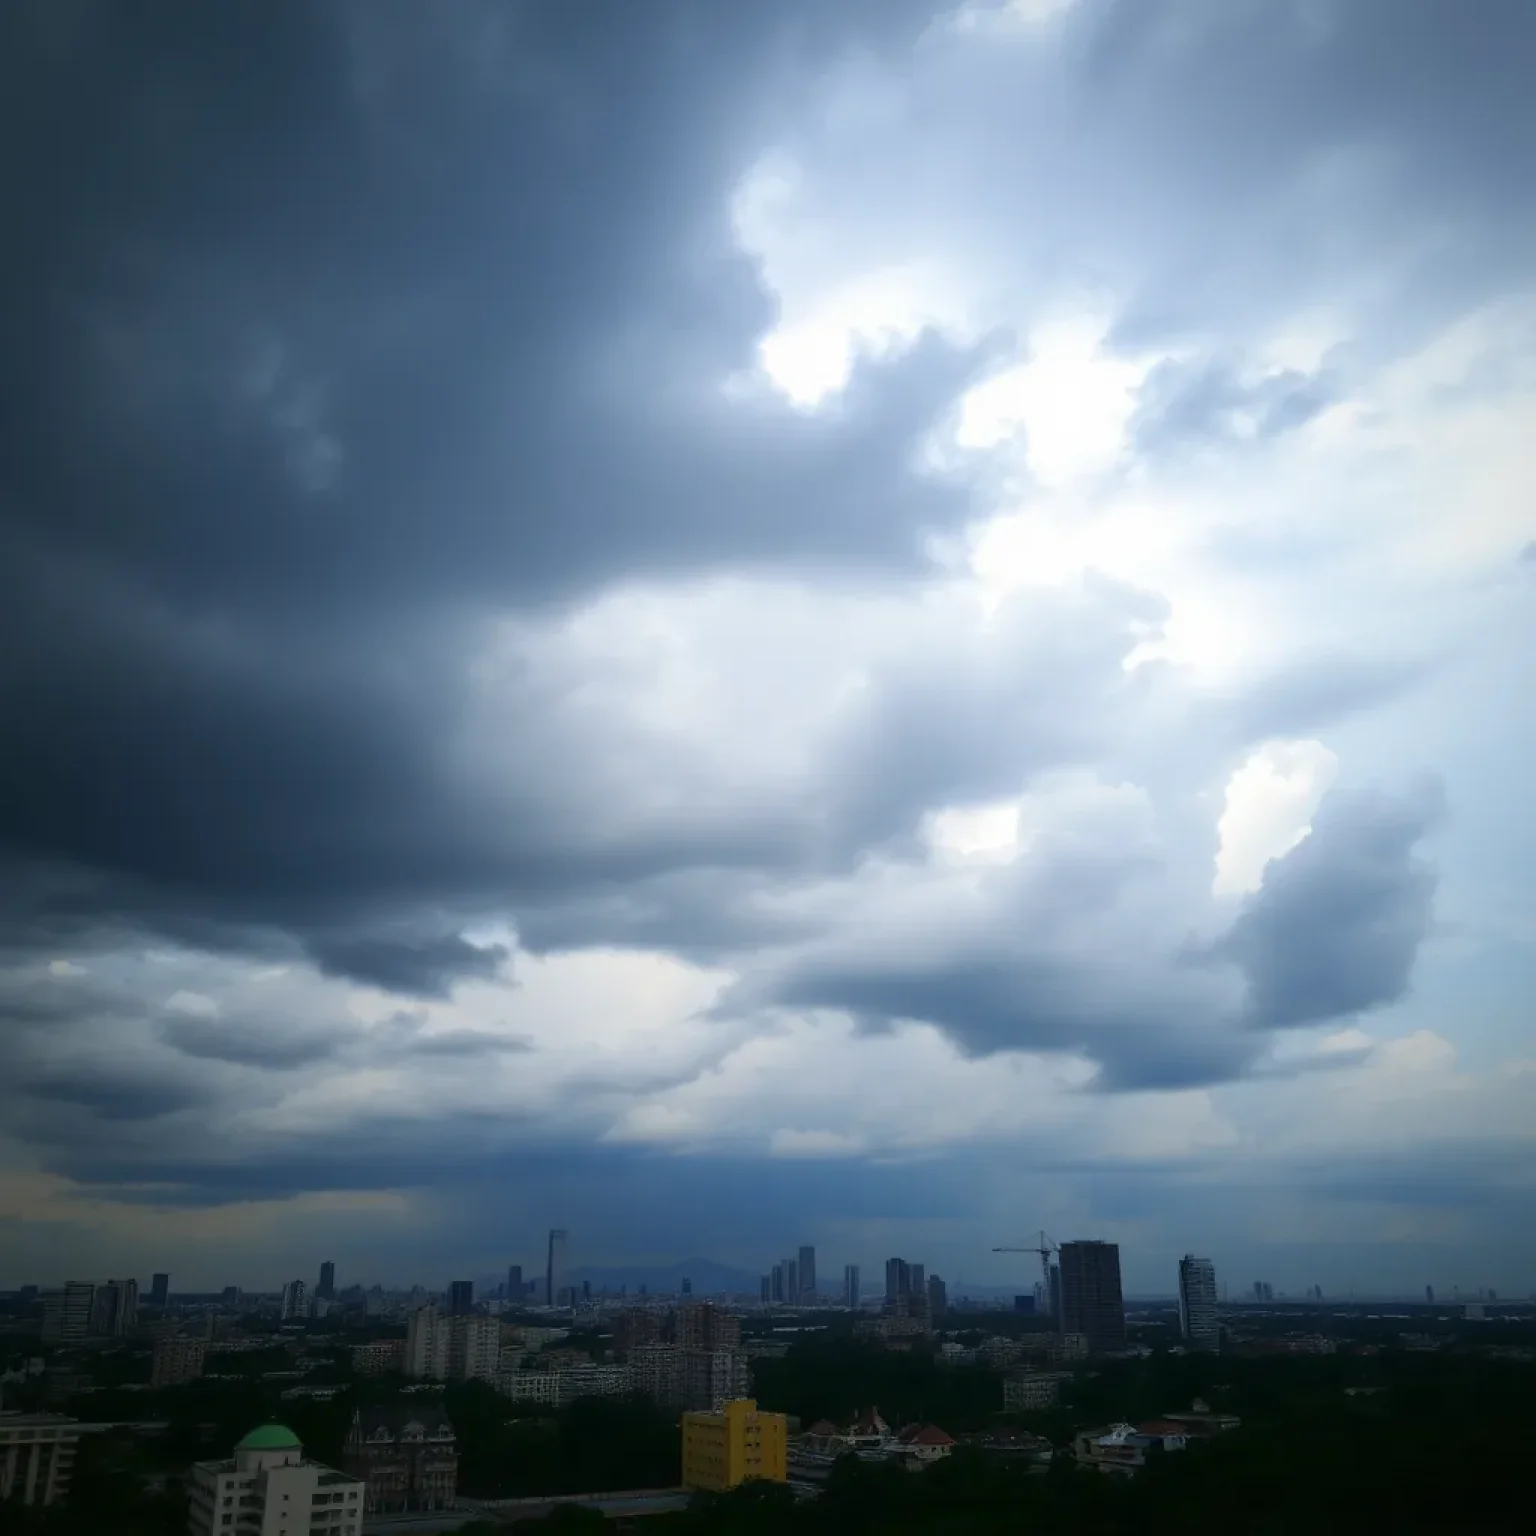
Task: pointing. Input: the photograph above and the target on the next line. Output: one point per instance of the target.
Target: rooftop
(270, 1437)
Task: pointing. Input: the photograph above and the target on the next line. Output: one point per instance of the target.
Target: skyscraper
(898, 1279)
(115, 1308)
(938, 1296)
(765, 1288)
(556, 1265)
(461, 1298)
(1091, 1303)
(295, 1300)
(159, 1290)
(807, 1273)
(326, 1290)
(514, 1282)
(792, 1282)
(1429, 1294)
(852, 1292)
(776, 1283)
(1197, 1303)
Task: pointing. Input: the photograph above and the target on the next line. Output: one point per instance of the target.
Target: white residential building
(267, 1488)
(37, 1457)
(443, 1348)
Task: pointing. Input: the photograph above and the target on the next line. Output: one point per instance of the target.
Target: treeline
(1439, 1449)
(598, 1444)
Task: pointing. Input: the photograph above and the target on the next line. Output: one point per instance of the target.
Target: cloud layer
(858, 595)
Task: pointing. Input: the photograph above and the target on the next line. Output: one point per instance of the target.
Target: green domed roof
(270, 1437)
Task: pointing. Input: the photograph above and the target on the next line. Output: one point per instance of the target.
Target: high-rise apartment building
(295, 1300)
(461, 1298)
(176, 1360)
(1091, 1301)
(807, 1273)
(159, 1290)
(792, 1282)
(852, 1291)
(938, 1296)
(765, 1288)
(898, 1279)
(326, 1290)
(514, 1283)
(703, 1325)
(776, 1283)
(67, 1312)
(268, 1486)
(115, 1308)
(1197, 1303)
(447, 1347)
(556, 1266)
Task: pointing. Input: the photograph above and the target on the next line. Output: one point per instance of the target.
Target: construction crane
(1045, 1248)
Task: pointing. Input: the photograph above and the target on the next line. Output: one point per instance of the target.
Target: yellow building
(725, 1449)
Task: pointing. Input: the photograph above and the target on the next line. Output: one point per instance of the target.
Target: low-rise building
(733, 1445)
(406, 1458)
(176, 1360)
(381, 1357)
(1032, 1391)
(530, 1386)
(921, 1444)
(1200, 1423)
(1124, 1448)
(268, 1487)
(1060, 1347)
(591, 1381)
(37, 1457)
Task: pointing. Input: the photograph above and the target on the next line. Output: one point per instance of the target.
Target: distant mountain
(707, 1277)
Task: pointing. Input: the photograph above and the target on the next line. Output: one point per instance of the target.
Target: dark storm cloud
(329, 330)
(1336, 925)
(247, 1043)
(112, 1094)
(426, 967)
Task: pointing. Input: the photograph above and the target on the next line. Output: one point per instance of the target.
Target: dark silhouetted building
(159, 1290)
(461, 1298)
(326, 1290)
(852, 1287)
(556, 1263)
(807, 1273)
(1197, 1303)
(406, 1457)
(514, 1282)
(1091, 1301)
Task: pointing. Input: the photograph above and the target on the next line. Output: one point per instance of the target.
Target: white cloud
(1270, 802)
(1071, 399)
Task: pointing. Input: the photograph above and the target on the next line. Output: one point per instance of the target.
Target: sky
(851, 622)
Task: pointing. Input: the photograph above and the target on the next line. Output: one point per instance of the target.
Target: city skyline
(759, 640)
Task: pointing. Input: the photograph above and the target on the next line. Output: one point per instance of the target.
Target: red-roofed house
(925, 1442)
